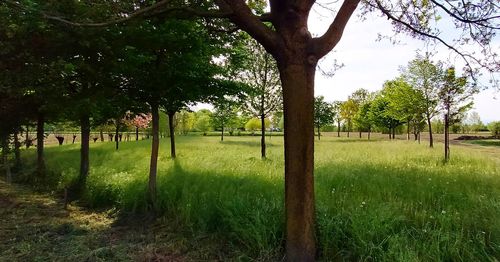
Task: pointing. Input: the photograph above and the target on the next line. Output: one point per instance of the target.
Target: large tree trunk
(263, 138)
(84, 149)
(40, 161)
(172, 133)
(153, 165)
(431, 141)
(298, 98)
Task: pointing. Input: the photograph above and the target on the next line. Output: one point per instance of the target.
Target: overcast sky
(369, 63)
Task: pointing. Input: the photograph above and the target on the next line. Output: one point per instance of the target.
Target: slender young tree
(456, 98)
(423, 75)
(262, 76)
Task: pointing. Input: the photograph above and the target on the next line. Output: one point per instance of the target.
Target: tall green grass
(378, 200)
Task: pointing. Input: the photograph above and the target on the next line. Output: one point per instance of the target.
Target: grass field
(376, 200)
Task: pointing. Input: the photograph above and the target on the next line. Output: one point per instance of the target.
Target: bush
(494, 128)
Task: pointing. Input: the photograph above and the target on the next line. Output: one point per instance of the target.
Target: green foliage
(494, 128)
(255, 124)
(323, 112)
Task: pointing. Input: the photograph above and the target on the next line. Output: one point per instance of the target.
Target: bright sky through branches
(369, 63)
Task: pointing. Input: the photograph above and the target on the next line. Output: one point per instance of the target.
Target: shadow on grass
(248, 143)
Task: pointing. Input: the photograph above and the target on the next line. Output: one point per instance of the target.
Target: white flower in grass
(333, 190)
(443, 212)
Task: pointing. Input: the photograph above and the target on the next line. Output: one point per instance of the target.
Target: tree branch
(324, 44)
(468, 21)
(243, 17)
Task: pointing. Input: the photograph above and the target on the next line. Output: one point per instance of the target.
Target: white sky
(369, 63)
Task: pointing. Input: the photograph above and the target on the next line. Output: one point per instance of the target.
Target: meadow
(376, 200)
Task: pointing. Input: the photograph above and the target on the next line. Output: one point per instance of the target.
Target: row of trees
(423, 91)
(122, 78)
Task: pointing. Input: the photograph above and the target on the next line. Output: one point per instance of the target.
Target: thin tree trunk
(408, 131)
(394, 133)
(117, 129)
(27, 139)
(319, 133)
(5, 159)
(84, 149)
(222, 133)
(338, 128)
(153, 165)
(101, 134)
(172, 133)
(369, 133)
(136, 134)
(360, 134)
(17, 151)
(263, 138)
(298, 98)
(446, 137)
(431, 141)
(40, 162)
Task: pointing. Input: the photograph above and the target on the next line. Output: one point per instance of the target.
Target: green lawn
(376, 200)
(492, 142)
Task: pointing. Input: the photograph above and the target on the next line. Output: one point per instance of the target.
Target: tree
(381, 114)
(360, 96)
(224, 113)
(323, 114)
(405, 104)
(337, 108)
(456, 99)
(262, 76)
(202, 122)
(424, 76)
(362, 117)
(494, 128)
(348, 110)
(297, 53)
(474, 120)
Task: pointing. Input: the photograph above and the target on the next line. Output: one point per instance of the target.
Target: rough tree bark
(84, 149)
(172, 133)
(155, 144)
(263, 138)
(40, 161)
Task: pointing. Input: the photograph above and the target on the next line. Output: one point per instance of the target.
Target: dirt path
(35, 227)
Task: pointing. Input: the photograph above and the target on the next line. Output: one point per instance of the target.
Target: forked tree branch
(324, 44)
(468, 21)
